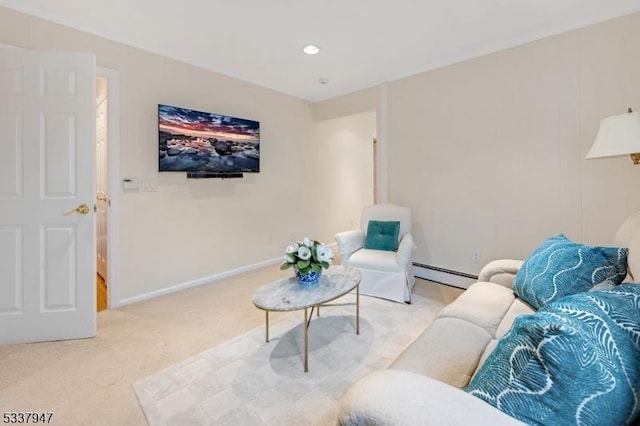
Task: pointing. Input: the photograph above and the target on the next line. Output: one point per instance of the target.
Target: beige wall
(343, 170)
(342, 106)
(191, 229)
(489, 152)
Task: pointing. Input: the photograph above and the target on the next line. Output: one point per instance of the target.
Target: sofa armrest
(395, 397)
(405, 248)
(349, 242)
(501, 271)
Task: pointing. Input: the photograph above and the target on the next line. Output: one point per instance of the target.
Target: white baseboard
(444, 276)
(199, 281)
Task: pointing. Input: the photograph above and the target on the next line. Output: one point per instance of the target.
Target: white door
(47, 168)
(101, 186)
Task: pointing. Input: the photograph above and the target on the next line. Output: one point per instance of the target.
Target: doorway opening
(107, 194)
(102, 191)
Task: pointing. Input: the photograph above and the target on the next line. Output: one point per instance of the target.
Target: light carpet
(246, 381)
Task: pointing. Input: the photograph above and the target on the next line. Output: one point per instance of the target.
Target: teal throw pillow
(560, 267)
(382, 235)
(575, 362)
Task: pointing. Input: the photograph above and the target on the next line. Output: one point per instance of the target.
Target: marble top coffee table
(286, 294)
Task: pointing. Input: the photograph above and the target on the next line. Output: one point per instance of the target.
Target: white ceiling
(363, 42)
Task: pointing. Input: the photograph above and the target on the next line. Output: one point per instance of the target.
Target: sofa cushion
(560, 267)
(392, 397)
(634, 258)
(448, 351)
(382, 235)
(491, 346)
(628, 235)
(483, 303)
(574, 362)
(518, 307)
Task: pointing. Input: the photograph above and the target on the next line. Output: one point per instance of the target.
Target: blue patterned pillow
(576, 361)
(560, 267)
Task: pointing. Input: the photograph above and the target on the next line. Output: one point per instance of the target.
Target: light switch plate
(149, 184)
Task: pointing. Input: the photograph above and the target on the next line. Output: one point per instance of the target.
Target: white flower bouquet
(307, 255)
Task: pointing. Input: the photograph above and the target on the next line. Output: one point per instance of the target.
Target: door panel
(58, 282)
(11, 161)
(47, 129)
(11, 266)
(58, 151)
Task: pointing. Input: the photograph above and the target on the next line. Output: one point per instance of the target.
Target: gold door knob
(102, 198)
(81, 209)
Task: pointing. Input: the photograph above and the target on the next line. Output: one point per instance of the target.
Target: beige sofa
(423, 385)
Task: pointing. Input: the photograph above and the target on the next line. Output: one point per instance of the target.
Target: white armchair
(385, 274)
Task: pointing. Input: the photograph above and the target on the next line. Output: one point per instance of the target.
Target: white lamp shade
(618, 135)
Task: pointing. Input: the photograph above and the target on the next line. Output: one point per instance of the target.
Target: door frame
(113, 179)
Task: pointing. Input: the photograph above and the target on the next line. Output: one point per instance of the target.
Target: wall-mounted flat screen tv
(196, 141)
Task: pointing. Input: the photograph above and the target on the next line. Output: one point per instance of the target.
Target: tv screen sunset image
(195, 141)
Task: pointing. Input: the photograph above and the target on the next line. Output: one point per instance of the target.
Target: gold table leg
(306, 342)
(358, 309)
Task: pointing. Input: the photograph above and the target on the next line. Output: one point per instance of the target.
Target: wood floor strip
(101, 294)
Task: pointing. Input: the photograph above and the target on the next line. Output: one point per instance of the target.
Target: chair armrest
(395, 398)
(501, 271)
(349, 242)
(405, 248)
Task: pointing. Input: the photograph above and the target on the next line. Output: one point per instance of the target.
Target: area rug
(246, 381)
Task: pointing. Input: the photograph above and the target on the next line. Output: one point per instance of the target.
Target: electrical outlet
(476, 256)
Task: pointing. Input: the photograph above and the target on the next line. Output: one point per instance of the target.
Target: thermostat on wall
(130, 183)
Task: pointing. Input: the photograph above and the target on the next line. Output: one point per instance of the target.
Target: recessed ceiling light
(311, 49)
(323, 80)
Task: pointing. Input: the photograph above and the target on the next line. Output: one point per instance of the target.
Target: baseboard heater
(443, 276)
